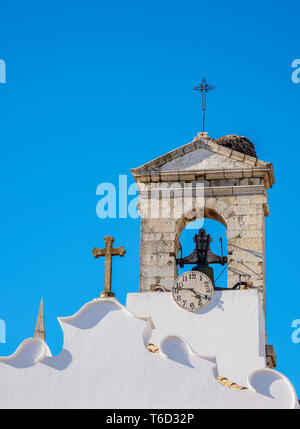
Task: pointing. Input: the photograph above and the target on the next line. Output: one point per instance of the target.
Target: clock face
(193, 291)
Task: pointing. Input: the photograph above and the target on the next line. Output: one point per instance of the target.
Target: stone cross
(108, 252)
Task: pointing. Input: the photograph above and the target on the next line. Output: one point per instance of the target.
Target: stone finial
(39, 331)
(203, 135)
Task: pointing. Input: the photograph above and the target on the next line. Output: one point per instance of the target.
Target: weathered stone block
(158, 246)
(222, 190)
(151, 236)
(165, 259)
(159, 225)
(258, 199)
(214, 175)
(244, 182)
(149, 259)
(237, 174)
(244, 209)
(238, 156)
(227, 213)
(151, 271)
(255, 181)
(247, 243)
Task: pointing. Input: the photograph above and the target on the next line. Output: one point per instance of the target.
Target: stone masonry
(218, 183)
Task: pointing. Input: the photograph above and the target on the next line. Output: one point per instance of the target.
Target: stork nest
(238, 143)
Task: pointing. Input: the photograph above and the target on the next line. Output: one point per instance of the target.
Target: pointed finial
(39, 331)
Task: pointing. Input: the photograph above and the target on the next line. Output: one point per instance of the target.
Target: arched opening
(216, 229)
(214, 215)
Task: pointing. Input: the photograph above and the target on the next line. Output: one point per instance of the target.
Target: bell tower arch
(219, 179)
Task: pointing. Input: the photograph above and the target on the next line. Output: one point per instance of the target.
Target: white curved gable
(104, 363)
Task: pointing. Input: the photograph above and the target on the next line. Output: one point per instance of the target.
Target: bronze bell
(202, 256)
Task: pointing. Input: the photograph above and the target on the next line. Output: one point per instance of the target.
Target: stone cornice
(197, 175)
(209, 191)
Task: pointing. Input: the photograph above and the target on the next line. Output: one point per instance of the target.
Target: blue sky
(95, 88)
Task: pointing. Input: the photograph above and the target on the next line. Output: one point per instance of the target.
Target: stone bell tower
(218, 179)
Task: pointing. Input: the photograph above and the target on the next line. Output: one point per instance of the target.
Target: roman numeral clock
(194, 290)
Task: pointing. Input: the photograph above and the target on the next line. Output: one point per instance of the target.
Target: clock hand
(202, 296)
(195, 293)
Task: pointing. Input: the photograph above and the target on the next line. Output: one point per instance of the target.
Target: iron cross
(204, 87)
(108, 252)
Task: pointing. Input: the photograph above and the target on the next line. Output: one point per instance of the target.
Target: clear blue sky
(95, 88)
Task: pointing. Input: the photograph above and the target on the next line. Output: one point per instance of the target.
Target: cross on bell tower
(204, 87)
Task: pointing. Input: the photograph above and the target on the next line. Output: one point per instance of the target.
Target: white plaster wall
(104, 363)
(231, 328)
